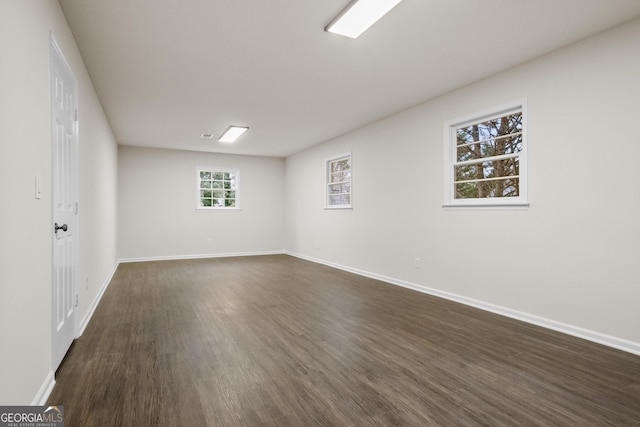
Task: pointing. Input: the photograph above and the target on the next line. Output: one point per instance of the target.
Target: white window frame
(328, 181)
(450, 158)
(235, 171)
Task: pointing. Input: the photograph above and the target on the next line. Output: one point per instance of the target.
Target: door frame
(56, 54)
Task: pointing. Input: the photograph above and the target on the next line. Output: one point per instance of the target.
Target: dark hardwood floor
(278, 341)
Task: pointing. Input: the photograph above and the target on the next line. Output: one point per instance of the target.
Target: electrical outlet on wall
(209, 241)
(416, 262)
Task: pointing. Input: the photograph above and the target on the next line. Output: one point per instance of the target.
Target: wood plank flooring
(278, 341)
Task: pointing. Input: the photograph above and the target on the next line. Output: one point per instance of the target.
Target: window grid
(339, 182)
(487, 162)
(217, 188)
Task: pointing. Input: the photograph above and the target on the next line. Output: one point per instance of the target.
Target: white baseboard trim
(45, 390)
(96, 301)
(597, 337)
(201, 256)
(47, 387)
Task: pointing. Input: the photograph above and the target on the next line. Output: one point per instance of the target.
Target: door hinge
(75, 208)
(76, 300)
(75, 115)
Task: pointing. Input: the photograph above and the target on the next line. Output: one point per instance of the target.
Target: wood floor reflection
(278, 341)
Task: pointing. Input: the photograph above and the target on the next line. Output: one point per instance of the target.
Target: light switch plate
(38, 187)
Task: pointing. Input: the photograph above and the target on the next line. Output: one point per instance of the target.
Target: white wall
(572, 259)
(569, 259)
(157, 205)
(25, 245)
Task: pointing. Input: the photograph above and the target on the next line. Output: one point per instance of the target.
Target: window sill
(338, 208)
(218, 209)
(519, 206)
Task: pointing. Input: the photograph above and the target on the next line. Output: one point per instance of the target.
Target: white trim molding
(96, 300)
(597, 337)
(327, 166)
(213, 170)
(202, 256)
(450, 160)
(45, 390)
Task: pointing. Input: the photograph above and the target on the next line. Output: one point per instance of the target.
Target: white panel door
(64, 196)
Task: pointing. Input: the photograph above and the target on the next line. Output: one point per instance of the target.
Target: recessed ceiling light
(358, 16)
(232, 133)
(206, 136)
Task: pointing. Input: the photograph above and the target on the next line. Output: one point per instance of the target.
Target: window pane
(490, 138)
(490, 169)
(490, 151)
(493, 147)
(508, 187)
(339, 188)
(340, 176)
(339, 182)
(505, 125)
(217, 188)
(340, 165)
(338, 200)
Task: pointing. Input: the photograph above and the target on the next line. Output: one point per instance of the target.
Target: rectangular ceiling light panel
(233, 133)
(359, 15)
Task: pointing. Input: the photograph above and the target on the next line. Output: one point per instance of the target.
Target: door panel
(64, 196)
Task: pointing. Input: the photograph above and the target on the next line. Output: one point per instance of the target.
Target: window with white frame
(338, 171)
(217, 188)
(486, 159)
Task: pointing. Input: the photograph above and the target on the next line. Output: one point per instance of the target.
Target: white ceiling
(167, 71)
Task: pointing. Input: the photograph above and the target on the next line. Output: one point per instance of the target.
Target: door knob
(63, 227)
